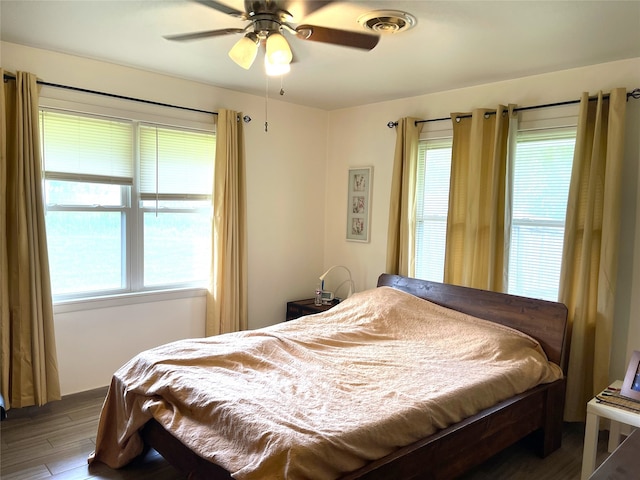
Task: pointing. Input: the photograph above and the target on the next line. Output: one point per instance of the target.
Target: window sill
(77, 305)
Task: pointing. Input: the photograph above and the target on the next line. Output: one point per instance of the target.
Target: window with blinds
(89, 149)
(540, 174)
(175, 164)
(176, 181)
(128, 204)
(432, 193)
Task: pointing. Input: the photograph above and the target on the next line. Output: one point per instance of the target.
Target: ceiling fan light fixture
(387, 21)
(278, 50)
(245, 50)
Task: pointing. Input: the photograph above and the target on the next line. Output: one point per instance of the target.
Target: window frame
(132, 257)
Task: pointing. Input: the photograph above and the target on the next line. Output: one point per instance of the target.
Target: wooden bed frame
(454, 450)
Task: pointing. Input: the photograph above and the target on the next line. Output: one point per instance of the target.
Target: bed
(447, 449)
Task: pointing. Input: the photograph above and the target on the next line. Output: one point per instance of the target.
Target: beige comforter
(322, 395)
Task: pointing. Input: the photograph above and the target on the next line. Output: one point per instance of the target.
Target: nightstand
(617, 416)
(300, 308)
(624, 462)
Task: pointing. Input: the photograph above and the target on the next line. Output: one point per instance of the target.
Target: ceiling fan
(269, 19)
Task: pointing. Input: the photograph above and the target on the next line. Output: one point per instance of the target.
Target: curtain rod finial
(392, 124)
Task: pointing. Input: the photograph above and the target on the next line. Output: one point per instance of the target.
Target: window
(434, 168)
(540, 173)
(541, 176)
(175, 197)
(128, 205)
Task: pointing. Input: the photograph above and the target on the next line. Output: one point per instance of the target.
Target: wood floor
(53, 442)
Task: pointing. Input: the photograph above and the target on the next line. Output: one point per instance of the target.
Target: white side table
(617, 416)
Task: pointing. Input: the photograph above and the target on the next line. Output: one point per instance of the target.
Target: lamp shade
(245, 50)
(275, 70)
(348, 280)
(278, 50)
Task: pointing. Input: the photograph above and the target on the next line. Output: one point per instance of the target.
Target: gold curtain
(474, 254)
(590, 258)
(29, 372)
(402, 206)
(227, 296)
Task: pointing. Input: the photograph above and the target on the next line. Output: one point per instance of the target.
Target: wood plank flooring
(53, 442)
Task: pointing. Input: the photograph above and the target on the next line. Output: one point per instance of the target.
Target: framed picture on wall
(359, 204)
(631, 384)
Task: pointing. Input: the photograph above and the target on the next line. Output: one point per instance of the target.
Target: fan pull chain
(266, 105)
(266, 100)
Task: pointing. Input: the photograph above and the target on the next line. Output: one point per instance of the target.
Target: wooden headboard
(543, 320)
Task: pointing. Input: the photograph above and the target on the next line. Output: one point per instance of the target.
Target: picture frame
(631, 385)
(359, 204)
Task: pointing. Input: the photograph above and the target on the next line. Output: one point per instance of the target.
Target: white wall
(359, 136)
(92, 344)
(285, 192)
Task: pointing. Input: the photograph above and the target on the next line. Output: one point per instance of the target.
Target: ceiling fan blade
(337, 37)
(206, 34)
(221, 7)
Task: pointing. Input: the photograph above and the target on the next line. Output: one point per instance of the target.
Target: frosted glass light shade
(275, 70)
(245, 50)
(278, 50)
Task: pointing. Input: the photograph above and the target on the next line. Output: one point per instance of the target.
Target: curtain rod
(635, 93)
(246, 118)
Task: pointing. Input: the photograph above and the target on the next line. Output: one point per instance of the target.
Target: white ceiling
(455, 43)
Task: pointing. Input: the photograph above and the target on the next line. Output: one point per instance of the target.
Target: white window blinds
(434, 169)
(87, 149)
(541, 176)
(175, 164)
